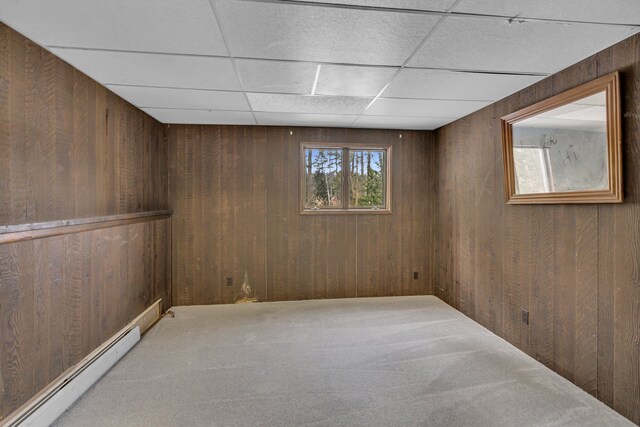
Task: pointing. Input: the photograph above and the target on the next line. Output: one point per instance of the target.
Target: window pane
(323, 178)
(366, 178)
(531, 170)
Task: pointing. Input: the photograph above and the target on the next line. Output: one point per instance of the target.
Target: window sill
(346, 212)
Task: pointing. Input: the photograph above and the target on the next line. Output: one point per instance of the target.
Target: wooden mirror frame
(610, 84)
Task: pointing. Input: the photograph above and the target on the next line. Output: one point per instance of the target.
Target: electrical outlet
(415, 275)
(229, 281)
(525, 316)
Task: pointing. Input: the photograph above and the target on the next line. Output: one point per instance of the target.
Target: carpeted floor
(400, 361)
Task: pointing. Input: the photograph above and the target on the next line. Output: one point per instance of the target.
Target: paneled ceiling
(400, 64)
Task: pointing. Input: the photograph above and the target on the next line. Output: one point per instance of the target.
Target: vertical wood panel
(277, 248)
(71, 294)
(575, 268)
(42, 313)
(227, 217)
(210, 219)
(257, 214)
(586, 299)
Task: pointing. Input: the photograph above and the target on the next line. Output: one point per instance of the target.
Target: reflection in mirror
(566, 148)
(563, 149)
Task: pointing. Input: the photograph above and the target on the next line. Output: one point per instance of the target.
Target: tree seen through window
(323, 178)
(366, 185)
(324, 175)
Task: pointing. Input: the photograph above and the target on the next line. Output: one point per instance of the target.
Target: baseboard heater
(44, 408)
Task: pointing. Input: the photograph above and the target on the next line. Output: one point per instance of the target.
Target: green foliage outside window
(366, 187)
(324, 178)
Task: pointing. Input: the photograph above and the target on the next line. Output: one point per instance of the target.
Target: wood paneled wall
(234, 194)
(61, 297)
(575, 268)
(70, 148)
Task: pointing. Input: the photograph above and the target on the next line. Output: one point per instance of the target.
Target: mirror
(566, 149)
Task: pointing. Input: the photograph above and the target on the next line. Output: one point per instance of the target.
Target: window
(534, 165)
(345, 178)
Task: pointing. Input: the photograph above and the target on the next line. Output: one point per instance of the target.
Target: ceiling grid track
(449, 12)
(297, 61)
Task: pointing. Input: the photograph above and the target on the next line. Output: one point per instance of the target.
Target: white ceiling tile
(531, 46)
(439, 84)
(323, 34)
(193, 72)
(202, 117)
(289, 119)
(276, 76)
(618, 11)
(177, 26)
(423, 107)
(277, 103)
(353, 81)
(182, 98)
(433, 5)
(396, 122)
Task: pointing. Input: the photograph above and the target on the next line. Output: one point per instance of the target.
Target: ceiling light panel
(289, 119)
(395, 122)
(618, 11)
(177, 26)
(182, 98)
(277, 103)
(315, 80)
(433, 5)
(423, 107)
(178, 71)
(353, 81)
(276, 76)
(322, 34)
(496, 45)
(201, 117)
(440, 84)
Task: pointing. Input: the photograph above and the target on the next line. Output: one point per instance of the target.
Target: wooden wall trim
(39, 230)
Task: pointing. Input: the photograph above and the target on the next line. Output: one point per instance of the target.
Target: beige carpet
(400, 361)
